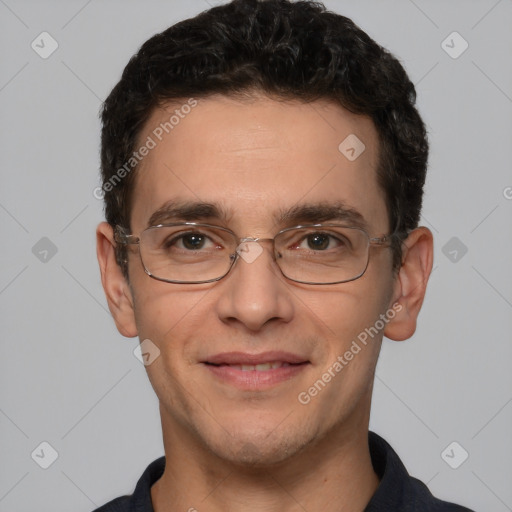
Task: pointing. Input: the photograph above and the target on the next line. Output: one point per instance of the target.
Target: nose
(255, 293)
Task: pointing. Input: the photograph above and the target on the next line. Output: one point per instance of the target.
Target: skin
(229, 449)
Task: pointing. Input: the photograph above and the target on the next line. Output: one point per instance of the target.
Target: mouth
(255, 371)
(261, 367)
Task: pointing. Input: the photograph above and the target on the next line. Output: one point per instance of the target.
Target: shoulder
(398, 491)
(422, 497)
(140, 500)
(121, 504)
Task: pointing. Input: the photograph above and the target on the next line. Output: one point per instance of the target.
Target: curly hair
(285, 49)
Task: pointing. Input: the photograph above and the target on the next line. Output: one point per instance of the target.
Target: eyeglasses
(192, 253)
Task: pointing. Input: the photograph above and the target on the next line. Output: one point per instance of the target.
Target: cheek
(349, 319)
(171, 319)
(347, 313)
(168, 314)
(352, 338)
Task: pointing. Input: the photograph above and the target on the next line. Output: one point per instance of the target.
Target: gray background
(67, 376)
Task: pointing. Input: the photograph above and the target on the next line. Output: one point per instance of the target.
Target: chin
(260, 446)
(252, 454)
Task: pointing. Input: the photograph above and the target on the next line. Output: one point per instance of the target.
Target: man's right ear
(115, 285)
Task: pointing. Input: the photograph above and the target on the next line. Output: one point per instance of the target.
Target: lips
(262, 367)
(255, 371)
(246, 359)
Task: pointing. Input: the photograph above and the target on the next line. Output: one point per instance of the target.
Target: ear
(115, 285)
(411, 283)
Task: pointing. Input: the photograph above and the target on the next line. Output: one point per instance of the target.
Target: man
(263, 166)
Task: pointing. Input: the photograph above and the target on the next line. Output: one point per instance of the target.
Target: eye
(320, 242)
(190, 242)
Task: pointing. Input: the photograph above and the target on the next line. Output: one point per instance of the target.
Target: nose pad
(249, 250)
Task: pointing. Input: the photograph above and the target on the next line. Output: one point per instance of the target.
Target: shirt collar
(397, 491)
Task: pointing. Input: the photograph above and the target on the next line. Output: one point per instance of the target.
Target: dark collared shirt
(397, 491)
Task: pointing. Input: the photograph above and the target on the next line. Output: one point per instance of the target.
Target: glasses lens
(200, 253)
(187, 254)
(322, 255)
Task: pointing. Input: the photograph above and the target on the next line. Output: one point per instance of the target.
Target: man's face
(255, 160)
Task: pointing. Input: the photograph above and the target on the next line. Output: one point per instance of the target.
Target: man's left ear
(411, 283)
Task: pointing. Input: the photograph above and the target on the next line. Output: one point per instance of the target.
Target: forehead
(256, 159)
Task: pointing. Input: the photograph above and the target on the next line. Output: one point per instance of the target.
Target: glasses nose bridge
(249, 255)
(256, 240)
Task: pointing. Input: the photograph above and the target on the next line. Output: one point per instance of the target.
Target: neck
(334, 474)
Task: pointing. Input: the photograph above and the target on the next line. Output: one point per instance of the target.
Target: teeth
(258, 367)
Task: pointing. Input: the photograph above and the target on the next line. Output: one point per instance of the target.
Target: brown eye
(318, 242)
(193, 241)
(189, 242)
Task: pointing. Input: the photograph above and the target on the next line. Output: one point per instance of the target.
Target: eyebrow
(188, 211)
(309, 213)
(314, 213)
